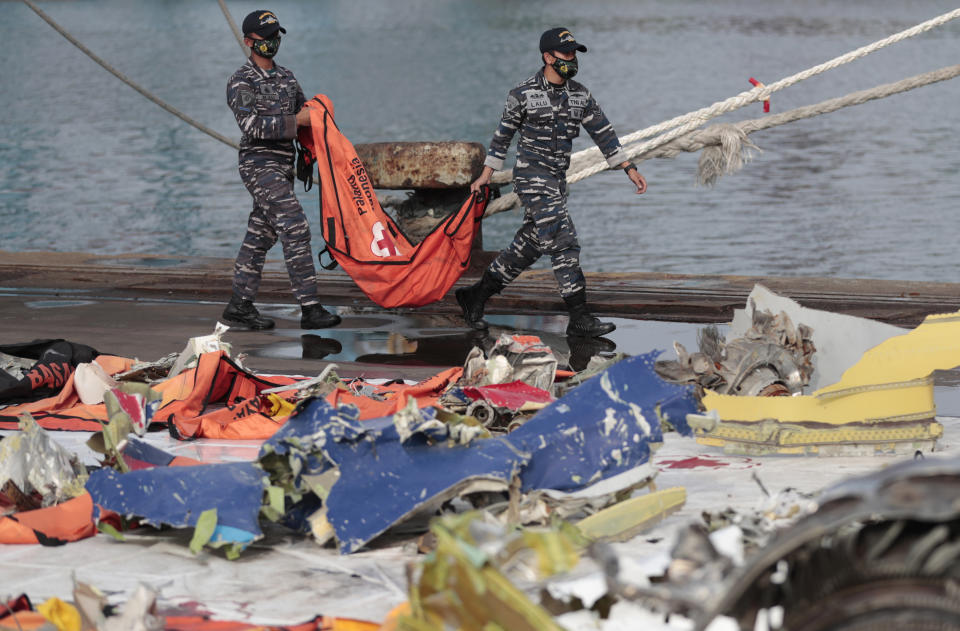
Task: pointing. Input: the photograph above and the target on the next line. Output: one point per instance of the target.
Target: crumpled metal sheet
(33, 462)
(13, 369)
(197, 346)
(133, 405)
(602, 428)
(130, 407)
(138, 613)
(884, 402)
(395, 477)
(296, 449)
(141, 455)
(840, 339)
(422, 165)
(176, 496)
(389, 471)
(771, 358)
(466, 583)
(513, 396)
(512, 358)
(919, 491)
(496, 406)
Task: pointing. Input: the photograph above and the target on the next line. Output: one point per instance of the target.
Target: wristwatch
(628, 168)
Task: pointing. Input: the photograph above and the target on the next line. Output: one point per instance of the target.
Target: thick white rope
(762, 93)
(726, 147)
(686, 123)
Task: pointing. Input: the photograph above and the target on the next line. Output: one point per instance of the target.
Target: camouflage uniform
(265, 104)
(549, 118)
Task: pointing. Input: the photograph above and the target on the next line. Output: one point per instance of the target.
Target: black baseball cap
(262, 22)
(560, 39)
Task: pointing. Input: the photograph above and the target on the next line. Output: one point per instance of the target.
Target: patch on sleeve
(245, 97)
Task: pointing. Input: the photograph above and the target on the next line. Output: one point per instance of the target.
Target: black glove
(305, 162)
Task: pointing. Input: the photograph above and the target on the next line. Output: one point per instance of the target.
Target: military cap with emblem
(262, 22)
(560, 39)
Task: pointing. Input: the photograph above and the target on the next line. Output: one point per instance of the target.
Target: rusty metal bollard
(438, 176)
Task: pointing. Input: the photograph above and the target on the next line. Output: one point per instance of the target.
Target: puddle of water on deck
(442, 341)
(57, 304)
(432, 340)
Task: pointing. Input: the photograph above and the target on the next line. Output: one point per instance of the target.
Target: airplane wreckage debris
(875, 552)
(880, 402)
(391, 443)
(578, 452)
(887, 541)
(516, 478)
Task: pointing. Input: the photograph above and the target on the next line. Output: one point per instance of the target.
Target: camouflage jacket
(265, 104)
(549, 118)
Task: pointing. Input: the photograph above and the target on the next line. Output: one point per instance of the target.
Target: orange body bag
(366, 241)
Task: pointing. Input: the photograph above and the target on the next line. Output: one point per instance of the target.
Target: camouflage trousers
(276, 214)
(547, 229)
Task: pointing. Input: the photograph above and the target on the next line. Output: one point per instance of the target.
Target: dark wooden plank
(674, 297)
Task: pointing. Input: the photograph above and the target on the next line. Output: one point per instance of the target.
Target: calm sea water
(871, 191)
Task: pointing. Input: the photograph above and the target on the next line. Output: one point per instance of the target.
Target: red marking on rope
(766, 102)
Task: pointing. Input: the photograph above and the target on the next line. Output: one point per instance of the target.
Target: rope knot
(727, 149)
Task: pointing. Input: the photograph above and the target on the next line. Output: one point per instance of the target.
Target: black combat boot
(471, 299)
(316, 317)
(582, 323)
(241, 314)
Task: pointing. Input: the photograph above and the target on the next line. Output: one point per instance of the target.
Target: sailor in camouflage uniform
(548, 110)
(268, 104)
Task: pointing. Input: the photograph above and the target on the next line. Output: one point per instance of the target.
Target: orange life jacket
(69, 521)
(365, 241)
(217, 399)
(64, 410)
(426, 392)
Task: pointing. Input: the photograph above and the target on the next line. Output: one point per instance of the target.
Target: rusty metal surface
(406, 165)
